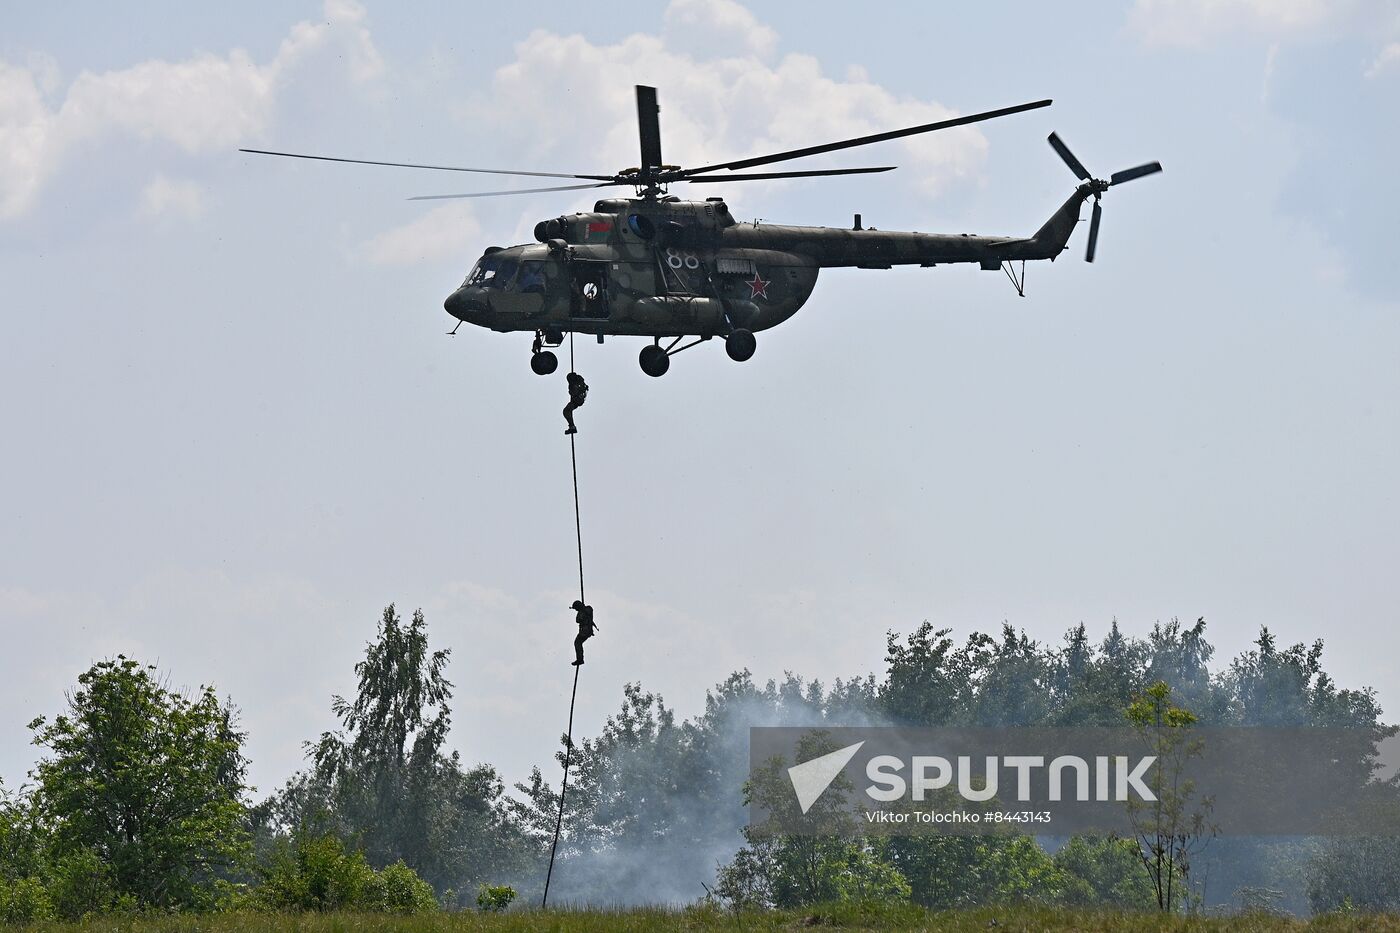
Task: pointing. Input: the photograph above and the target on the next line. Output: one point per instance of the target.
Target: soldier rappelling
(578, 394)
(586, 628)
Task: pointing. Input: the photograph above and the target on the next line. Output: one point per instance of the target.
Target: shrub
(494, 898)
(24, 900)
(397, 889)
(1355, 873)
(316, 873)
(1104, 872)
(80, 883)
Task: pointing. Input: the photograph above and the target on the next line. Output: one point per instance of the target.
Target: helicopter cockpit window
(485, 268)
(503, 275)
(531, 276)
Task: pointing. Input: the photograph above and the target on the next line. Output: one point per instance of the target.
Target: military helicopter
(656, 266)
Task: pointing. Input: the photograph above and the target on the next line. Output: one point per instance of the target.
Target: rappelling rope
(573, 461)
(559, 820)
(569, 740)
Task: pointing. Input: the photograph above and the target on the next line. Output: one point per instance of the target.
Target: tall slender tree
(382, 764)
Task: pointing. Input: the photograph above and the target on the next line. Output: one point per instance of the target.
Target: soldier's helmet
(577, 604)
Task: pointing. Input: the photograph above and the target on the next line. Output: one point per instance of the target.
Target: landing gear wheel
(544, 363)
(740, 345)
(654, 360)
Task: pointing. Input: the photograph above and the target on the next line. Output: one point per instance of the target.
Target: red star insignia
(759, 286)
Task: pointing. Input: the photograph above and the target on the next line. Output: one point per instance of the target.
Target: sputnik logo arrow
(811, 778)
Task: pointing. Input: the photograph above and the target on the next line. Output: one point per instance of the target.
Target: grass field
(699, 919)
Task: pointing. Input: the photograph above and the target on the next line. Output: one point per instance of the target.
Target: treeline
(140, 802)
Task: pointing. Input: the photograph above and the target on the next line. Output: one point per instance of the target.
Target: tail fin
(1049, 241)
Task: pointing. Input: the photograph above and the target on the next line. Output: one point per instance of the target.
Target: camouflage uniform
(578, 394)
(585, 628)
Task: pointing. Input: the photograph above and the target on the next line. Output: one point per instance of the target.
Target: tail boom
(835, 247)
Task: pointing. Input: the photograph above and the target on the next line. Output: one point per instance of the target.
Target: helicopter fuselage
(663, 267)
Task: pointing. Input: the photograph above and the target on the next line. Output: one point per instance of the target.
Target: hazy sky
(235, 429)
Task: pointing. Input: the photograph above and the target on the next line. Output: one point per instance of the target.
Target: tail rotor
(1097, 186)
(1093, 230)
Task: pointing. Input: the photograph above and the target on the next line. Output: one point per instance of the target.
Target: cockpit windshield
(492, 272)
(486, 265)
(505, 274)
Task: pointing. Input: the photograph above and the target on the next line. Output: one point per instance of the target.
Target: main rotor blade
(649, 127)
(1093, 232)
(1074, 164)
(492, 194)
(866, 140)
(1149, 168)
(753, 176)
(439, 168)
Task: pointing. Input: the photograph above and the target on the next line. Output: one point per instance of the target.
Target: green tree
(382, 765)
(925, 681)
(23, 897)
(24, 900)
(1361, 873)
(142, 791)
(1013, 686)
(1175, 825)
(384, 782)
(823, 862)
(621, 828)
(22, 839)
(948, 871)
(1101, 871)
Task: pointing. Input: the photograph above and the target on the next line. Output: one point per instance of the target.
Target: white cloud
(172, 197)
(717, 29)
(449, 230)
(1270, 64)
(17, 601)
(45, 69)
(1194, 22)
(26, 127)
(715, 104)
(347, 18)
(203, 103)
(1389, 57)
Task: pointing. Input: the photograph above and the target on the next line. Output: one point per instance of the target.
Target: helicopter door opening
(590, 289)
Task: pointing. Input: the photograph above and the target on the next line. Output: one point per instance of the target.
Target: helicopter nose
(463, 306)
